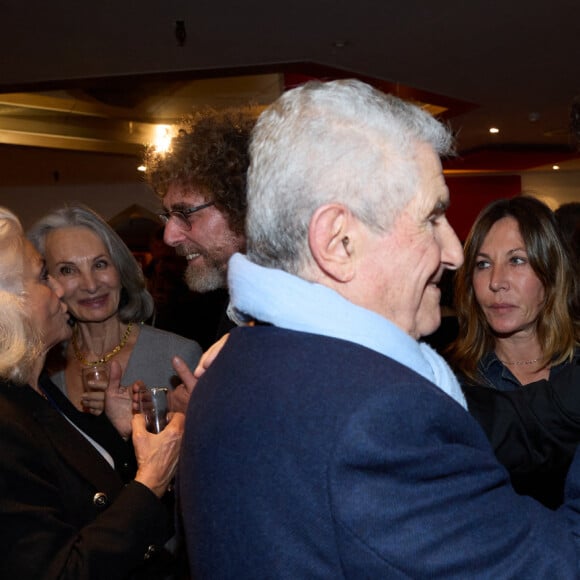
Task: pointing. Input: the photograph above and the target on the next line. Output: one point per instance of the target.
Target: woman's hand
(93, 401)
(118, 404)
(157, 455)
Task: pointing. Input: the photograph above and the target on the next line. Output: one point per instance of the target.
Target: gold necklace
(106, 357)
(520, 362)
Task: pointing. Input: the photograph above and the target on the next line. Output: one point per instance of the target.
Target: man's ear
(330, 239)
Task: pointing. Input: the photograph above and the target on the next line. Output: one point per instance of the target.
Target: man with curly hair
(201, 181)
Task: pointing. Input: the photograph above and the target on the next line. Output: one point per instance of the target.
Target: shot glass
(95, 377)
(154, 406)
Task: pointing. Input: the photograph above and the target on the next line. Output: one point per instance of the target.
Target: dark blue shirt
(496, 375)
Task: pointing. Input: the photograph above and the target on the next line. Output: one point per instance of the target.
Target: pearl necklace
(106, 357)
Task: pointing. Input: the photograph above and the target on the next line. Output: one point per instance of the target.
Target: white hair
(336, 142)
(20, 344)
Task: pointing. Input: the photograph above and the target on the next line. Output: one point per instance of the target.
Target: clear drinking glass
(154, 406)
(95, 377)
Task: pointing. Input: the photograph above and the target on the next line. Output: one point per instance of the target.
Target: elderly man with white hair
(325, 441)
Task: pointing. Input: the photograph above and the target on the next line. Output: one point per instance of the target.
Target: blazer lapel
(76, 450)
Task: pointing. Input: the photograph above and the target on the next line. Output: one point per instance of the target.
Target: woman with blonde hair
(64, 511)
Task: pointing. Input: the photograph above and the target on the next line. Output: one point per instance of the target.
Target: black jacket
(534, 430)
(64, 511)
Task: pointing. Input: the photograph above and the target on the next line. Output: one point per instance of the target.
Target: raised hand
(179, 397)
(118, 404)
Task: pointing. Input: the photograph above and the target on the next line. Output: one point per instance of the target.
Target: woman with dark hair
(64, 510)
(105, 292)
(516, 333)
(511, 297)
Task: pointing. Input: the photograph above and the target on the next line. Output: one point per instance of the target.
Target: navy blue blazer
(311, 457)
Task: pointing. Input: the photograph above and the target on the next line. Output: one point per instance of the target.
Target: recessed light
(142, 168)
(555, 167)
(493, 130)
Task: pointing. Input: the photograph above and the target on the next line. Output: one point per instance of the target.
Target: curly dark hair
(210, 152)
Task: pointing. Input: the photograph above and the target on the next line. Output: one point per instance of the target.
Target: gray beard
(205, 281)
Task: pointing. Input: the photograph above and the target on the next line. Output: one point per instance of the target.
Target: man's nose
(173, 234)
(451, 251)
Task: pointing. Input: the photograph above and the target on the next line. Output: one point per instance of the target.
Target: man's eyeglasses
(182, 215)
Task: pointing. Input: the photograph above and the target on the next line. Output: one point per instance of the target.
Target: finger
(137, 386)
(184, 373)
(138, 424)
(115, 373)
(134, 391)
(178, 398)
(92, 407)
(209, 356)
(96, 386)
(94, 396)
(177, 421)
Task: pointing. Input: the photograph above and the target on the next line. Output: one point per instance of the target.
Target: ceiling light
(555, 167)
(162, 139)
(493, 130)
(142, 168)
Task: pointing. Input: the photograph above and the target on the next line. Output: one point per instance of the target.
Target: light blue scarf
(284, 300)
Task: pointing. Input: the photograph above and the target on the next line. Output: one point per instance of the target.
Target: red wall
(469, 195)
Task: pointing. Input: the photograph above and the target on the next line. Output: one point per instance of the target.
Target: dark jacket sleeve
(63, 520)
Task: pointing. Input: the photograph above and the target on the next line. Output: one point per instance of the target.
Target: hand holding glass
(95, 382)
(153, 405)
(95, 377)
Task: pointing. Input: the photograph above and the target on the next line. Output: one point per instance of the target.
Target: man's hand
(208, 357)
(179, 397)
